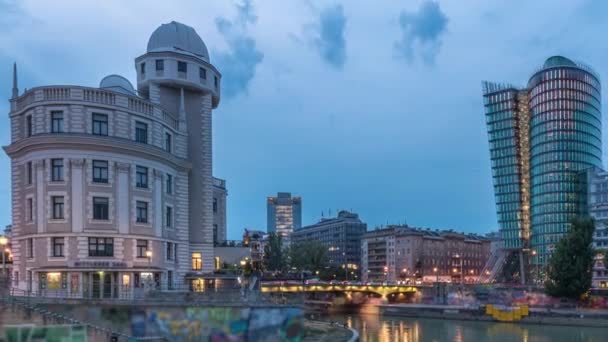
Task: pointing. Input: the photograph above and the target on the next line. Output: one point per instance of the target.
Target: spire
(182, 110)
(15, 86)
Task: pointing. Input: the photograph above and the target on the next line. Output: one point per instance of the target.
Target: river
(374, 328)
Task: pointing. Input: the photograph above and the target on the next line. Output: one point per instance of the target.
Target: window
(142, 248)
(141, 177)
(100, 171)
(29, 173)
(202, 73)
(142, 69)
(57, 122)
(214, 205)
(57, 170)
(169, 184)
(141, 132)
(30, 248)
(100, 124)
(216, 82)
(57, 207)
(215, 233)
(100, 208)
(101, 247)
(28, 126)
(160, 64)
(30, 210)
(142, 212)
(197, 262)
(182, 67)
(168, 142)
(57, 246)
(169, 252)
(170, 280)
(169, 217)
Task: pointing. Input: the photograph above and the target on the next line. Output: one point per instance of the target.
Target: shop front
(98, 280)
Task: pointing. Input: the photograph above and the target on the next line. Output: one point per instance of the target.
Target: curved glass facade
(541, 138)
(565, 138)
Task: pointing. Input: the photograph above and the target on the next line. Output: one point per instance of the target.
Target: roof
(557, 61)
(177, 37)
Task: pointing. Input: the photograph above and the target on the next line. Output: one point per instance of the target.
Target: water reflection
(373, 328)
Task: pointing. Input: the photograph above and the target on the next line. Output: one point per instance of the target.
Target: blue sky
(350, 105)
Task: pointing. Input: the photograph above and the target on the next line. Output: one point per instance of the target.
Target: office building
(284, 214)
(540, 138)
(111, 187)
(399, 253)
(597, 185)
(219, 210)
(340, 235)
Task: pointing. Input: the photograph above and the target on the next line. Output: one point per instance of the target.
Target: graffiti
(228, 324)
(31, 332)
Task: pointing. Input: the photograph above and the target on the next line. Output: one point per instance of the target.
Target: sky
(373, 107)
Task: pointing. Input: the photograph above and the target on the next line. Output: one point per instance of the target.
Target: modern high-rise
(540, 138)
(341, 236)
(111, 187)
(284, 214)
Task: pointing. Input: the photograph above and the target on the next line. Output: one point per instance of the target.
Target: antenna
(15, 86)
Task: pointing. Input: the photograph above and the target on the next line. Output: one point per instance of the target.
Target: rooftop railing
(95, 95)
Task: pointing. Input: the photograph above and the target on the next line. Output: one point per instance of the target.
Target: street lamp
(149, 256)
(3, 243)
(533, 253)
(435, 270)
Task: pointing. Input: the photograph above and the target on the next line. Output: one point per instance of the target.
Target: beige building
(406, 254)
(103, 178)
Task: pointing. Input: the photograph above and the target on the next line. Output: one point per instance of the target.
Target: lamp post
(149, 256)
(533, 253)
(435, 270)
(3, 243)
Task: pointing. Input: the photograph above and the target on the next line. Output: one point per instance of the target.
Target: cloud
(238, 64)
(421, 33)
(330, 42)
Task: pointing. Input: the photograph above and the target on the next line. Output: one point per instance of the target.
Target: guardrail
(95, 95)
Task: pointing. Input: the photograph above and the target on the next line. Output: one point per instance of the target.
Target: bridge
(382, 290)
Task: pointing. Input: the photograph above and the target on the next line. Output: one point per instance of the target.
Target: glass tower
(540, 138)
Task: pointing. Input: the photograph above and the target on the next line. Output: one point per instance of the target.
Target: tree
(308, 255)
(569, 268)
(274, 256)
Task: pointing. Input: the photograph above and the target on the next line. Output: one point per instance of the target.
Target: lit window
(197, 262)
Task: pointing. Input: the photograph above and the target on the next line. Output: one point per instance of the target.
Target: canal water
(373, 328)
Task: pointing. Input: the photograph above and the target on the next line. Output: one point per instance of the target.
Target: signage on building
(100, 264)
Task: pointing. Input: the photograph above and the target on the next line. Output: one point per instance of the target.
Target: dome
(117, 83)
(177, 37)
(557, 61)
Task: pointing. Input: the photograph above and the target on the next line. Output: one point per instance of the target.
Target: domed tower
(176, 74)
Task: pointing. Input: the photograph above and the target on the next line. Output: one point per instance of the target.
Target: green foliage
(308, 255)
(569, 269)
(333, 272)
(274, 254)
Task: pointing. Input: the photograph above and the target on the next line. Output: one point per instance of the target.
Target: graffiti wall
(220, 324)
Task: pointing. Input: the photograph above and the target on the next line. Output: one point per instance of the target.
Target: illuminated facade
(284, 214)
(540, 138)
(597, 185)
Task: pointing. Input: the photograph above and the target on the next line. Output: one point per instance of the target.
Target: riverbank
(541, 316)
(326, 332)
